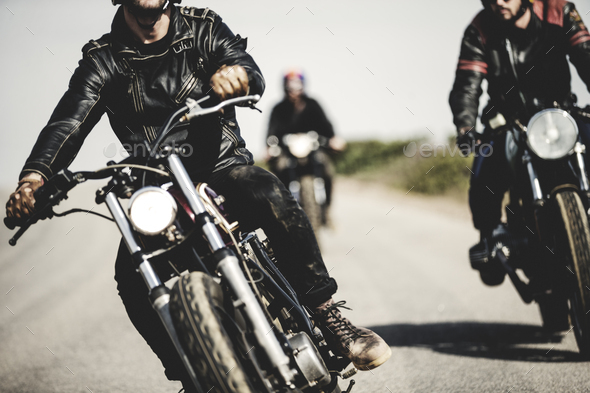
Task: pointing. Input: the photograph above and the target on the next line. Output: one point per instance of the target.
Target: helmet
(293, 80)
(485, 3)
(524, 5)
(117, 2)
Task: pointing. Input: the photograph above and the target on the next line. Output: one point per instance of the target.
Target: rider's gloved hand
(466, 140)
(229, 82)
(21, 203)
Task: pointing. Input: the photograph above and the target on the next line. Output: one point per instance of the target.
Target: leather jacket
(526, 69)
(284, 120)
(139, 85)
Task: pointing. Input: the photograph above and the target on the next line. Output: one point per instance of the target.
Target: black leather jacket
(284, 120)
(538, 73)
(138, 86)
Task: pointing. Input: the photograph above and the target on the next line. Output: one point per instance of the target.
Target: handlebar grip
(10, 222)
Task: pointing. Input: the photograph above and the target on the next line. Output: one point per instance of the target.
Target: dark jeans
(256, 199)
(491, 178)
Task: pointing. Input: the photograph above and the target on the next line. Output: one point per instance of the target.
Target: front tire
(310, 206)
(194, 304)
(575, 223)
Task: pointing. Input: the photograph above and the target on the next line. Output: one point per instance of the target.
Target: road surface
(401, 264)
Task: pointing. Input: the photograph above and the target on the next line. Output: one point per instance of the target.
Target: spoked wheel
(195, 305)
(577, 252)
(310, 206)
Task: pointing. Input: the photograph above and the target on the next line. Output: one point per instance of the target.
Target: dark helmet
(485, 3)
(525, 4)
(141, 12)
(117, 2)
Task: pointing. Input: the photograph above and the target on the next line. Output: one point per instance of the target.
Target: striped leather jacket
(526, 69)
(138, 86)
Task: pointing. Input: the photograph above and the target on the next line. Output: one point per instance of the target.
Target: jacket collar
(124, 45)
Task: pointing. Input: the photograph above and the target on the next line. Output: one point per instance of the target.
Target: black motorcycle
(300, 161)
(546, 235)
(230, 308)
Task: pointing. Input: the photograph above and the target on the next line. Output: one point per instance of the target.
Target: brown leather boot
(365, 349)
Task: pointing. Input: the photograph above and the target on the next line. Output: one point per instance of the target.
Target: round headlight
(151, 210)
(300, 145)
(552, 133)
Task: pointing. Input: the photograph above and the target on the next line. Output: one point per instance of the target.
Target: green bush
(437, 175)
(361, 156)
(444, 171)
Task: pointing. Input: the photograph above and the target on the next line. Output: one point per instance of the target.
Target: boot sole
(375, 363)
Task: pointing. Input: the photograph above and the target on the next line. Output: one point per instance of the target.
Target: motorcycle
(300, 164)
(230, 308)
(546, 236)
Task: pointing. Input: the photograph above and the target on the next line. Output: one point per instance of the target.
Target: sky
(382, 69)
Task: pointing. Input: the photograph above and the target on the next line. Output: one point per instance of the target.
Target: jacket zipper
(186, 88)
(138, 105)
(512, 58)
(190, 83)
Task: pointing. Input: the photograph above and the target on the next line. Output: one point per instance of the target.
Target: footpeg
(350, 385)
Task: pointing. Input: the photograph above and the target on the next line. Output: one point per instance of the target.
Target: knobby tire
(575, 222)
(310, 206)
(195, 298)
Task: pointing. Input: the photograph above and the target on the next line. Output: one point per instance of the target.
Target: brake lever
(46, 212)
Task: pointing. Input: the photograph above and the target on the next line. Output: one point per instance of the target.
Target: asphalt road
(401, 264)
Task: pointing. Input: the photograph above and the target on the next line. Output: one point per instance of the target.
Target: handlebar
(191, 110)
(50, 194)
(55, 189)
(582, 112)
(196, 111)
(10, 222)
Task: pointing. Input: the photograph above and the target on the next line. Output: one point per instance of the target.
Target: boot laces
(337, 324)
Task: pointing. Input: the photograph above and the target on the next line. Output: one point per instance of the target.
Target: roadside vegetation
(434, 169)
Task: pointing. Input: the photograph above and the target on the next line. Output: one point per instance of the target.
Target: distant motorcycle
(547, 235)
(235, 321)
(300, 164)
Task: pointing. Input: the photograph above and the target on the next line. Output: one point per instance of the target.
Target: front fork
(229, 268)
(158, 292)
(534, 179)
(580, 151)
(577, 164)
(227, 265)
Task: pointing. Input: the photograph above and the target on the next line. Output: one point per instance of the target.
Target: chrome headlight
(552, 134)
(152, 210)
(300, 145)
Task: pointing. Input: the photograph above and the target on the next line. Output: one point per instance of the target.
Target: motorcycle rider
(520, 48)
(299, 113)
(156, 56)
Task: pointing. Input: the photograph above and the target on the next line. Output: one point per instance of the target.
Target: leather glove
(230, 82)
(466, 140)
(21, 203)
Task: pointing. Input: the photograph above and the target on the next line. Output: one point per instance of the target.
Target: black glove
(466, 141)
